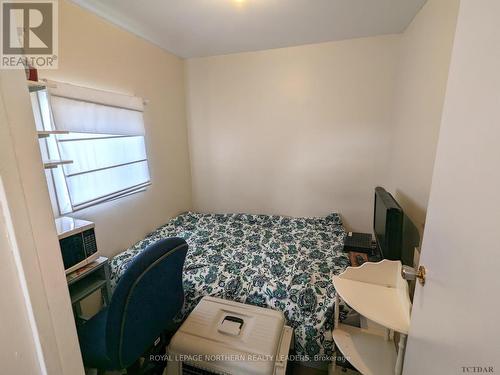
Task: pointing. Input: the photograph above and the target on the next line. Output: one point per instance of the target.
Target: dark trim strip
(97, 103)
(95, 138)
(105, 168)
(111, 195)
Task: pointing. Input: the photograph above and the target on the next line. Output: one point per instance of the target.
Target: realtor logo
(29, 34)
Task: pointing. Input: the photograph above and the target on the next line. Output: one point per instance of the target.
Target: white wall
(295, 131)
(94, 53)
(421, 84)
(455, 315)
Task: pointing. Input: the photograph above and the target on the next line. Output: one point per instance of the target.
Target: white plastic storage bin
(226, 337)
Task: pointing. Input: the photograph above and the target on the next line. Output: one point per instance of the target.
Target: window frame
(57, 178)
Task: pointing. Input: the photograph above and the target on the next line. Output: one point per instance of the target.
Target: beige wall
(97, 54)
(300, 131)
(313, 129)
(295, 131)
(421, 84)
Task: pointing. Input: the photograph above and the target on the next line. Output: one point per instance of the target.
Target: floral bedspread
(278, 262)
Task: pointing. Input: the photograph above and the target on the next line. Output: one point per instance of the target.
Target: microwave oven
(77, 242)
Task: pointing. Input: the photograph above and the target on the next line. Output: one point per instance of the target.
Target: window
(102, 134)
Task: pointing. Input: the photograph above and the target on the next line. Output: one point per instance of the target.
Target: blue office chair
(146, 299)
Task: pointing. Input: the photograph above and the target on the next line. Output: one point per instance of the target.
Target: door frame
(39, 265)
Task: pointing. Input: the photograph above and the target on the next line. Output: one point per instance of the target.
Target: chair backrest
(146, 299)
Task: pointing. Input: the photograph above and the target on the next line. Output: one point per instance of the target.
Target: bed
(278, 262)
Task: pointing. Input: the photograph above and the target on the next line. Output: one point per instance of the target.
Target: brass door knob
(421, 275)
(410, 273)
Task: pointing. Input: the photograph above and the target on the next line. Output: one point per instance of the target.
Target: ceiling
(195, 28)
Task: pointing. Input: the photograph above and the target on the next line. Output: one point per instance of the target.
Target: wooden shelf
(47, 133)
(86, 270)
(49, 164)
(378, 292)
(369, 353)
(86, 287)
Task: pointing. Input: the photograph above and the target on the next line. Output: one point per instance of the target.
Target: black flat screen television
(395, 234)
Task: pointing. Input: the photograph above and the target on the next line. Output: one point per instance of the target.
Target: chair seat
(93, 342)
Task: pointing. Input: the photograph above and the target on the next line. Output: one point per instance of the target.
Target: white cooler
(226, 337)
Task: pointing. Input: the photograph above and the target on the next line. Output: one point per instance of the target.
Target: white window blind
(105, 143)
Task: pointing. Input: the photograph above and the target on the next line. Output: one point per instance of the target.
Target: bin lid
(229, 336)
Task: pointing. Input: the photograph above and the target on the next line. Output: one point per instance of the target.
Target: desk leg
(337, 311)
(401, 354)
(77, 310)
(331, 368)
(106, 290)
(104, 296)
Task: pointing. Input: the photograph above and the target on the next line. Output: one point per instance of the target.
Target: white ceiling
(195, 28)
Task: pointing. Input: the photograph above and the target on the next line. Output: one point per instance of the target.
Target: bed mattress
(278, 262)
